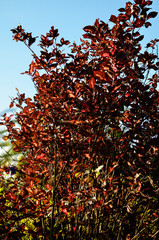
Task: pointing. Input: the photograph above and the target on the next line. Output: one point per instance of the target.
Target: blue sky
(38, 16)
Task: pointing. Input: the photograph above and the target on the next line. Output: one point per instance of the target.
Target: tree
(89, 136)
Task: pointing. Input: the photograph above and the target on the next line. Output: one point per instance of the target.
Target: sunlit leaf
(92, 83)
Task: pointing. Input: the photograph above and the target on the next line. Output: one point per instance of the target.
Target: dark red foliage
(89, 136)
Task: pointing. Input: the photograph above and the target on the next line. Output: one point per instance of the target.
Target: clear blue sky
(38, 16)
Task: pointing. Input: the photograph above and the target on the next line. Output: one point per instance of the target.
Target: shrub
(89, 136)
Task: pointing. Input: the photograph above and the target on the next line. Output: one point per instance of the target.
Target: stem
(35, 56)
(53, 197)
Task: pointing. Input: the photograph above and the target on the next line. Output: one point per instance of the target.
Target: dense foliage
(89, 136)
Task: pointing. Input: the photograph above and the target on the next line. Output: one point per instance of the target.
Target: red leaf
(113, 18)
(127, 95)
(64, 42)
(148, 3)
(147, 24)
(11, 196)
(41, 156)
(64, 210)
(99, 75)
(152, 15)
(35, 191)
(117, 87)
(121, 9)
(105, 54)
(26, 72)
(88, 35)
(92, 83)
(31, 183)
(31, 41)
(155, 215)
(140, 38)
(87, 155)
(70, 93)
(96, 23)
(139, 23)
(89, 29)
(11, 105)
(31, 67)
(136, 34)
(48, 187)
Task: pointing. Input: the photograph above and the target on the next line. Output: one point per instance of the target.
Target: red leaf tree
(89, 136)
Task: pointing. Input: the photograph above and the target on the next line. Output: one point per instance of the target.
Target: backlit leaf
(99, 75)
(92, 82)
(64, 210)
(96, 23)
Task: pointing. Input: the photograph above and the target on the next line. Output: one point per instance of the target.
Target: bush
(89, 136)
